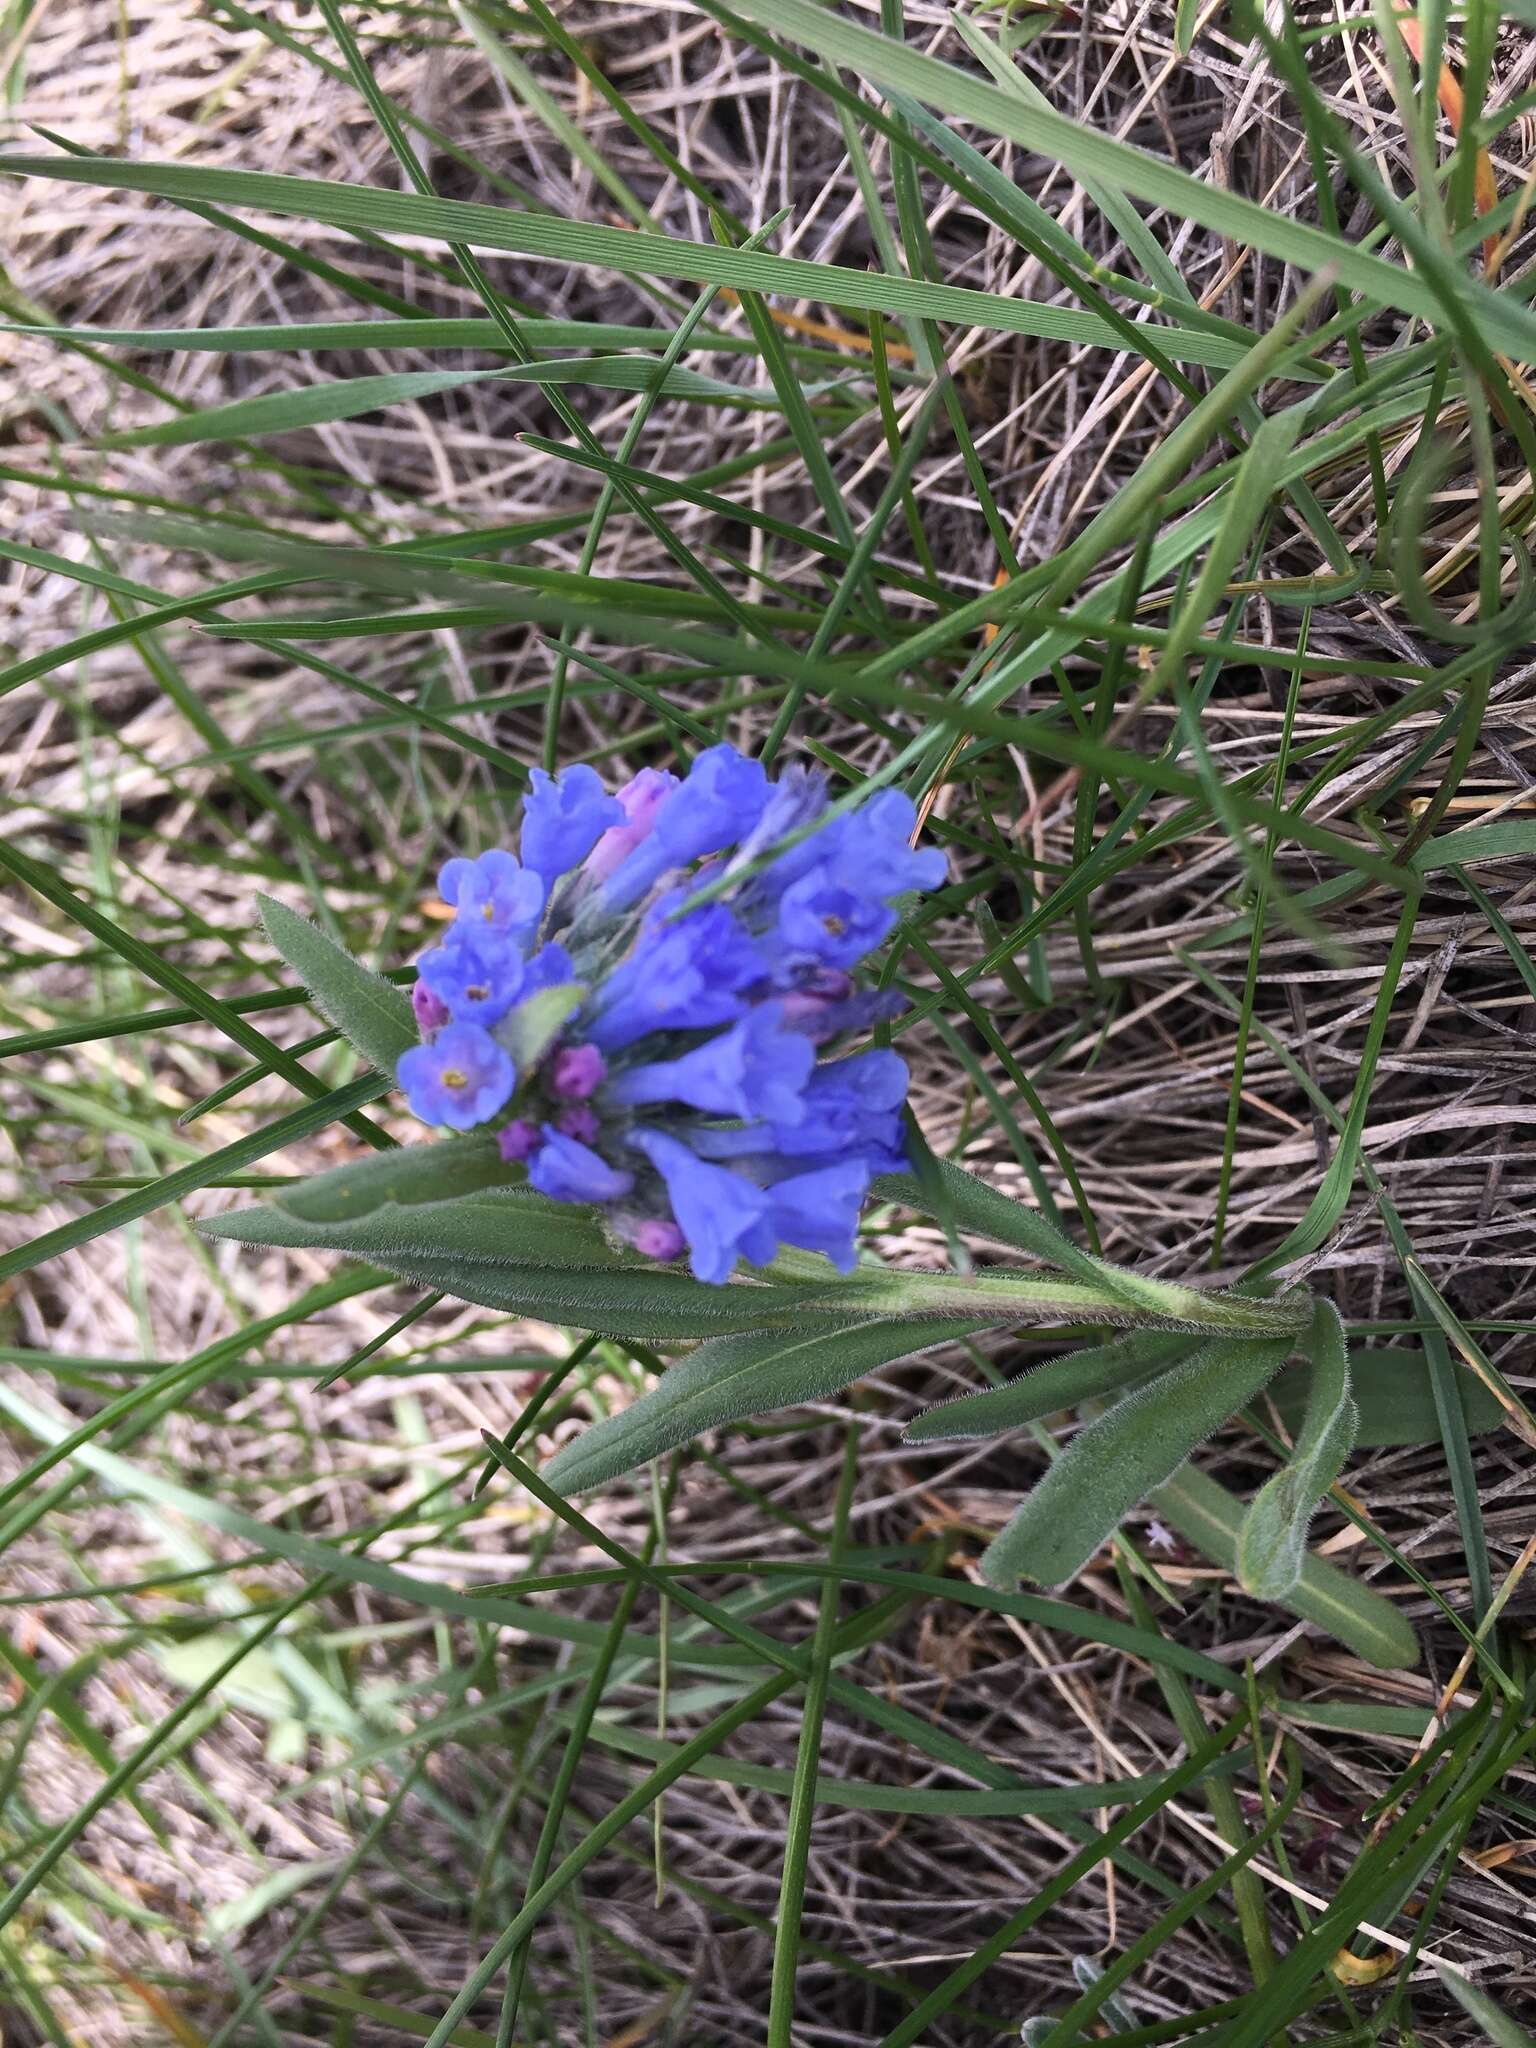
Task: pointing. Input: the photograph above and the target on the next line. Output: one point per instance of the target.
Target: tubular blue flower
(687, 976)
(722, 1216)
(852, 1110)
(722, 798)
(874, 852)
(462, 1079)
(550, 967)
(819, 1211)
(639, 800)
(564, 816)
(495, 891)
(754, 1070)
(479, 978)
(822, 918)
(568, 1171)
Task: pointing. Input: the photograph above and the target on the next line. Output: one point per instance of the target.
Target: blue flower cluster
(666, 1063)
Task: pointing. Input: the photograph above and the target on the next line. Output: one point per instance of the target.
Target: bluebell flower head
(496, 892)
(463, 1078)
(477, 977)
(678, 1084)
(564, 816)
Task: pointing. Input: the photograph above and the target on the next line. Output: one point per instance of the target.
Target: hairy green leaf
(1272, 1544)
(1365, 1621)
(1123, 1454)
(1059, 1383)
(735, 1377)
(369, 1012)
(1394, 1397)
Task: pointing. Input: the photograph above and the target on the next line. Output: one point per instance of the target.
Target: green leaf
(734, 1377)
(1394, 1397)
(509, 1249)
(308, 405)
(369, 1012)
(1272, 1544)
(528, 1031)
(410, 1174)
(970, 1204)
(1123, 1454)
(1503, 2031)
(1365, 1621)
(1045, 1389)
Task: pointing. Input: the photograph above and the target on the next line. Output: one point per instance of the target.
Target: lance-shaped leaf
(1059, 1383)
(511, 1249)
(369, 1012)
(734, 1377)
(410, 1174)
(1205, 1514)
(969, 1204)
(1393, 1396)
(1123, 1454)
(1273, 1541)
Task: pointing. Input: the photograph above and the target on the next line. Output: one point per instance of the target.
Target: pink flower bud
(658, 1239)
(641, 798)
(518, 1141)
(431, 1012)
(577, 1072)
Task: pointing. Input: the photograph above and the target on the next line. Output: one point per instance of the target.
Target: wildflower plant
(647, 1038)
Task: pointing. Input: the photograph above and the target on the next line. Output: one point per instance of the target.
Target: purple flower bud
(579, 1122)
(518, 1142)
(461, 1079)
(568, 1171)
(577, 1072)
(639, 799)
(564, 816)
(430, 1011)
(658, 1239)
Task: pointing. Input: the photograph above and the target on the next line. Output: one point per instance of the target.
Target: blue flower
(564, 816)
(852, 1109)
(568, 1171)
(461, 1079)
(823, 918)
(478, 977)
(720, 800)
(495, 891)
(677, 1085)
(756, 1069)
(684, 976)
(819, 1211)
(722, 1216)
